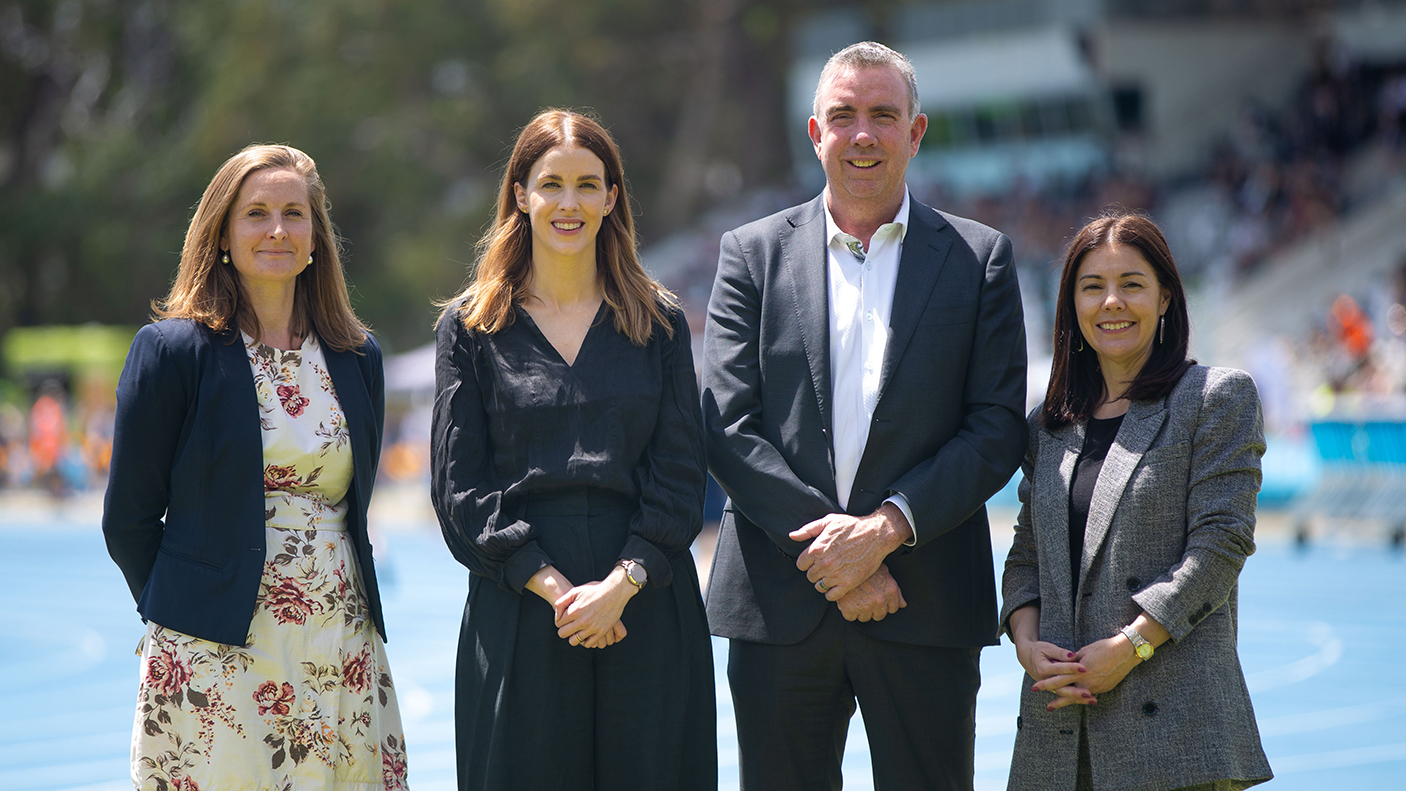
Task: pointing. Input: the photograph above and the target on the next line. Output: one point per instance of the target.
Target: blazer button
(1149, 708)
(1019, 723)
(1134, 584)
(1206, 608)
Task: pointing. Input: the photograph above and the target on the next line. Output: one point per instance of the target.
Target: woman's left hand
(589, 615)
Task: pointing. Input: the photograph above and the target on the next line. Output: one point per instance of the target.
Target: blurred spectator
(1352, 328)
(48, 438)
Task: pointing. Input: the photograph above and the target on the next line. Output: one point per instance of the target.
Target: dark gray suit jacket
(1171, 522)
(948, 428)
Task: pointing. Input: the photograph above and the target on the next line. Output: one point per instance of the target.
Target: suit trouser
(794, 702)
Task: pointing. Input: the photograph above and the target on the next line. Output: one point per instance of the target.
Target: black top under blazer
(184, 511)
(948, 428)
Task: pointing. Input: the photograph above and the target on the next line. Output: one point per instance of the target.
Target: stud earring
(1162, 328)
(224, 259)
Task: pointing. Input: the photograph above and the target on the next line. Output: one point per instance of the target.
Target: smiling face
(864, 138)
(269, 231)
(1118, 302)
(565, 197)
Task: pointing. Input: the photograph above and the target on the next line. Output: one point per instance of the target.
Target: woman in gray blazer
(1138, 511)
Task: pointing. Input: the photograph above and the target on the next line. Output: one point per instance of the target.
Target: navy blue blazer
(184, 511)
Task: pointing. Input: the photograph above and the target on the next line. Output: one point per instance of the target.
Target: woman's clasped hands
(1072, 676)
(586, 615)
(1078, 676)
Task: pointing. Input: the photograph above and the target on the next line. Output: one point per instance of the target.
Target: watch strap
(1141, 647)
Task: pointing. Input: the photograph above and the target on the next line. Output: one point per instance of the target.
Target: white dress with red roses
(309, 703)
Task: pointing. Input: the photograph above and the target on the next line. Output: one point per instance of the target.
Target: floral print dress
(309, 703)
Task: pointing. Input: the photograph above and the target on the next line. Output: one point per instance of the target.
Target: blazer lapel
(1135, 435)
(924, 254)
(1059, 452)
(232, 363)
(803, 256)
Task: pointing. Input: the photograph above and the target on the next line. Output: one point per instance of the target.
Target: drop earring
(309, 258)
(224, 257)
(1162, 328)
(1081, 344)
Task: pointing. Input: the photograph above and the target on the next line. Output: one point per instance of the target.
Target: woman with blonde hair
(248, 431)
(568, 476)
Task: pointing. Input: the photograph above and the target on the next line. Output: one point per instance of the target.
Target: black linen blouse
(512, 421)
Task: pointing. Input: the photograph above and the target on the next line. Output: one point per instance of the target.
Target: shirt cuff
(656, 564)
(899, 500)
(525, 562)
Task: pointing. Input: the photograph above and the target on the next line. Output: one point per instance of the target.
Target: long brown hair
(209, 292)
(504, 260)
(1076, 382)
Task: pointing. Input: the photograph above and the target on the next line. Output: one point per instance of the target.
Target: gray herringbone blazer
(1171, 522)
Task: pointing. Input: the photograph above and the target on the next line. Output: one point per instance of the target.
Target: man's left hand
(847, 550)
(874, 599)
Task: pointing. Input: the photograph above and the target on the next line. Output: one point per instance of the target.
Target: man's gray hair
(868, 55)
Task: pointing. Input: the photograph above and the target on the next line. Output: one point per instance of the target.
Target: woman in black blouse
(568, 475)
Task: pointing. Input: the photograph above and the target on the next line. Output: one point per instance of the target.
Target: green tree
(115, 113)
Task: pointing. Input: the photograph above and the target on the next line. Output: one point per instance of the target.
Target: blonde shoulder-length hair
(504, 255)
(210, 292)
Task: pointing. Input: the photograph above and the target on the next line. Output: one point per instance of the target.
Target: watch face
(1144, 651)
(637, 574)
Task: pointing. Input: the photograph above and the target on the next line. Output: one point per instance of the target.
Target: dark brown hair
(1076, 382)
(505, 253)
(209, 292)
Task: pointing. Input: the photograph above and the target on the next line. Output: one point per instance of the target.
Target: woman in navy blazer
(256, 335)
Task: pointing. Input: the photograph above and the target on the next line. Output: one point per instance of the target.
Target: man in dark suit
(864, 393)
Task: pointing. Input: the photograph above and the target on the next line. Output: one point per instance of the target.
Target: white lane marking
(994, 725)
(416, 702)
(1337, 759)
(1001, 686)
(1318, 633)
(1324, 719)
(997, 761)
(54, 649)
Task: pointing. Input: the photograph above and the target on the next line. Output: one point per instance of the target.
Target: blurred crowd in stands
(1275, 178)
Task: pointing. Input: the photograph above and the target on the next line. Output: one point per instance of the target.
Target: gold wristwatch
(634, 572)
(1141, 647)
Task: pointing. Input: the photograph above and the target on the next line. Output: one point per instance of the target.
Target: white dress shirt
(861, 300)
